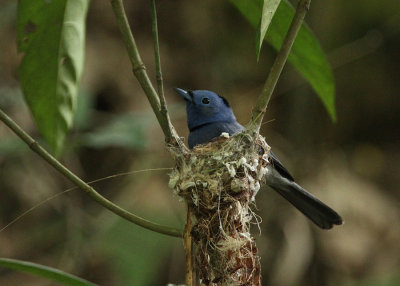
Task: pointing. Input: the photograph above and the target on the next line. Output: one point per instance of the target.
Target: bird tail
(322, 215)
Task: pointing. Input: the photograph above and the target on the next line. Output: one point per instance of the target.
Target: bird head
(204, 107)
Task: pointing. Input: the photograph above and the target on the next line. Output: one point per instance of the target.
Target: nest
(219, 182)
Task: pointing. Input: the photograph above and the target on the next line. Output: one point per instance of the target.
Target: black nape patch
(224, 100)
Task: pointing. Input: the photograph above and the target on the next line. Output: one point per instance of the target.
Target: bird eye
(205, 100)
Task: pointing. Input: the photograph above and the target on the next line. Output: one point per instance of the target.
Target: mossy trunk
(219, 182)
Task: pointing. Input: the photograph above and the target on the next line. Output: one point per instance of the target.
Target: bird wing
(279, 167)
(229, 127)
(205, 133)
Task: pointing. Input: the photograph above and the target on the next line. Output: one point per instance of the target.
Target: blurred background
(353, 164)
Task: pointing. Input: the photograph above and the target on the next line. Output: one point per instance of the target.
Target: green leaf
(306, 55)
(51, 34)
(44, 271)
(268, 11)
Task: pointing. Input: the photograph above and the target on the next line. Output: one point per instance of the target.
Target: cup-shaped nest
(219, 181)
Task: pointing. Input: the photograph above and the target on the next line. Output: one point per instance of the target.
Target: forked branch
(139, 70)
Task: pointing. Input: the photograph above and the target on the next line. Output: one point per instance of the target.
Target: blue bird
(208, 115)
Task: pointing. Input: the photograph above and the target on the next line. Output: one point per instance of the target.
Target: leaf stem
(276, 69)
(35, 146)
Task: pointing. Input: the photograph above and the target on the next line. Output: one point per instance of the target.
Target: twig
(276, 69)
(159, 77)
(188, 249)
(164, 111)
(139, 70)
(84, 186)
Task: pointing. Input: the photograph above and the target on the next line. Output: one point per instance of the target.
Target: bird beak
(185, 94)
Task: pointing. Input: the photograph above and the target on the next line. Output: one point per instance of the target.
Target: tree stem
(276, 69)
(35, 146)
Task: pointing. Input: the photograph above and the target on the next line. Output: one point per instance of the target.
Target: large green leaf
(44, 271)
(51, 34)
(306, 56)
(268, 11)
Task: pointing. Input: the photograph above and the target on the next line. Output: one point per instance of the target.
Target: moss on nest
(219, 180)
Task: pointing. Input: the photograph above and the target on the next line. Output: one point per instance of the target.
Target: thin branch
(159, 77)
(276, 69)
(139, 70)
(84, 186)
